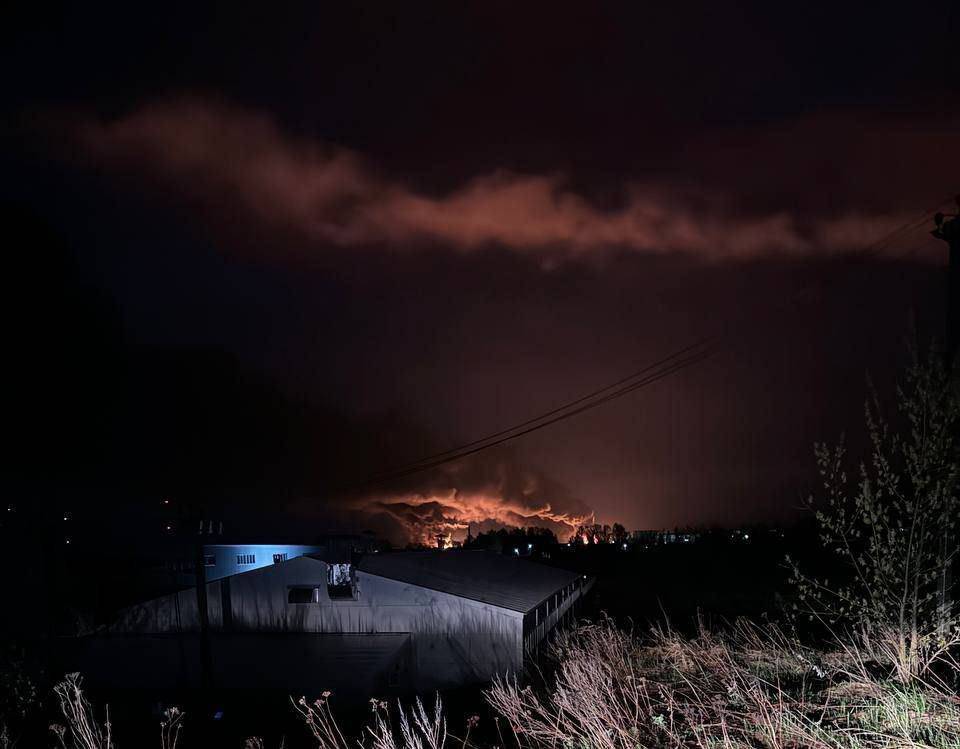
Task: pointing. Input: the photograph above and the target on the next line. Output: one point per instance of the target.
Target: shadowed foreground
(604, 686)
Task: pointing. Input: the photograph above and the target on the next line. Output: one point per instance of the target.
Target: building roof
(504, 581)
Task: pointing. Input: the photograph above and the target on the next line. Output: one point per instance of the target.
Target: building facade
(447, 618)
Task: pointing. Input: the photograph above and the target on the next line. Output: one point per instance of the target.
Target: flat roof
(498, 579)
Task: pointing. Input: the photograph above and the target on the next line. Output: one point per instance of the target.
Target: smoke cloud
(241, 167)
(478, 493)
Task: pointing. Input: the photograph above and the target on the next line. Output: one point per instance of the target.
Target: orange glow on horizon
(425, 517)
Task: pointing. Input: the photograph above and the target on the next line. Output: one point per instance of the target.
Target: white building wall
(454, 640)
(233, 559)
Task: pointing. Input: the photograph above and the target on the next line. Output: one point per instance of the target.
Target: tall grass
(82, 729)
(750, 686)
(416, 727)
(613, 688)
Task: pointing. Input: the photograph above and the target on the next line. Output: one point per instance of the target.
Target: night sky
(257, 254)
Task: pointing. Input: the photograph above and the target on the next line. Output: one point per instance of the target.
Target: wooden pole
(948, 229)
(206, 660)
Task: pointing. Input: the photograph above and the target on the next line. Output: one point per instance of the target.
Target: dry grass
(748, 687)
(417, 728)
(83, 730)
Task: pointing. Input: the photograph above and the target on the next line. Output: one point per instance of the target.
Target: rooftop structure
(467, 616)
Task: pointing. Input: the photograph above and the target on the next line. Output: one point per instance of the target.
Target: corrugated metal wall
(454, 640)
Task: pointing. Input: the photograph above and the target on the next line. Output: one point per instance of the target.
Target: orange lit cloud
(452, 514)
(479, 493)
(240, 167)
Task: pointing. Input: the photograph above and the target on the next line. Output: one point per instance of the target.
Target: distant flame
(478, 494)
(426, 517)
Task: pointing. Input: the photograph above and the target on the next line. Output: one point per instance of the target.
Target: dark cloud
(243, 169)
(491, 489)
(459, 216)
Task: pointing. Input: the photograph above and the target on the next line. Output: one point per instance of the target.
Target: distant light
(67, 540)
(746, 536)
(516, 550)
(624, 546)
(529, 546)
(218, 715)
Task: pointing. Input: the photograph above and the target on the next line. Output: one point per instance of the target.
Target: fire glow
(478, 493)
(425, 516)
(220, 155)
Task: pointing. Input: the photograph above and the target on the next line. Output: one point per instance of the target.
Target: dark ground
(713, 580)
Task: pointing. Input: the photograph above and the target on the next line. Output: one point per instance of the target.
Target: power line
(920, 220)
(878, 245)
(550, 413)
(903, 229)
(682, 358)
(679, 364)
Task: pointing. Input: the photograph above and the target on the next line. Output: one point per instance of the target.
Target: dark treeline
(510, 539)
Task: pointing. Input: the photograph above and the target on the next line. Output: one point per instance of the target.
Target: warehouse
(466, 615)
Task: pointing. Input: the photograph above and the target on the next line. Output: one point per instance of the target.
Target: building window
(246, 558)
(303, 594)
(340, 581)
(209, 560)
(277, 558)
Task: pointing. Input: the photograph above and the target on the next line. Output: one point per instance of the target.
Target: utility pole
(206, 659)
(947, 228)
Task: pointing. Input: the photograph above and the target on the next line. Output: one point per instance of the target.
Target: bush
(894, 528)
(747, 687)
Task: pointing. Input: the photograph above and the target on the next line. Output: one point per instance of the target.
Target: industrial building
(224, 560)
(419, 620)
